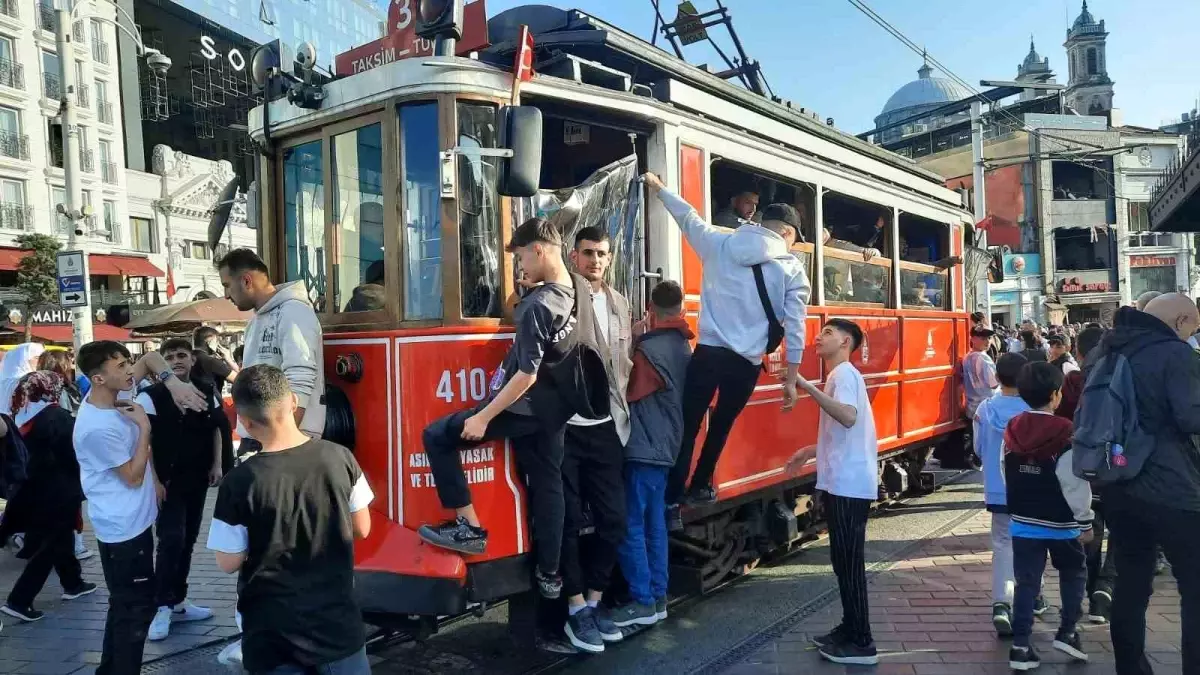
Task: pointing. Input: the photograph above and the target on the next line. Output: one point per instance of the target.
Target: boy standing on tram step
(593, 458)
(112, 444)
(847, 456)
(186, 450)
(753, 261)
(1051, 511)
(553, 370)
(286, 522)
(991, 418)
(656, 410)
(979, 371)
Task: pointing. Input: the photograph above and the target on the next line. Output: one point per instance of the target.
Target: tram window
(422, 211)
(922, 289)
(478, 213)
(850, 279)
(358, 219)
(304, 219)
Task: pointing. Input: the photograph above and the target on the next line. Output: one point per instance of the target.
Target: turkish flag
(170, 283)
(523, 63)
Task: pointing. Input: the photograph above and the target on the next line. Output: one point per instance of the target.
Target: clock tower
(1089, 89)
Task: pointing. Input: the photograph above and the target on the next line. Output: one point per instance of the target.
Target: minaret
(1089, 89)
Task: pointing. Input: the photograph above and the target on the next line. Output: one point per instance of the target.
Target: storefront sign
(401, 41)
(1074, 285)
(1151, 261)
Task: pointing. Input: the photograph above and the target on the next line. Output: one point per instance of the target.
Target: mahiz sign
(401, 41)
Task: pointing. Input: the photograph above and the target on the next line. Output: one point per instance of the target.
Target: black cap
(982, 331)
(784, 213)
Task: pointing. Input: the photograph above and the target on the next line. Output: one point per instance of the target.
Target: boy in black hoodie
(1050, 509)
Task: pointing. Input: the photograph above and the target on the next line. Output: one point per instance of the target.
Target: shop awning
(61, 334)
(100, 264)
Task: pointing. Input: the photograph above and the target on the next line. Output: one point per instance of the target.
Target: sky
(827, 56)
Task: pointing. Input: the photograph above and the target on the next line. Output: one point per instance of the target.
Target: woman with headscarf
(53, 492)
(62, 362)
(18, 362)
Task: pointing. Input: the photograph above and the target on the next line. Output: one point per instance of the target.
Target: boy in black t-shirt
(186, 450)
(286, 520)
(525, 405)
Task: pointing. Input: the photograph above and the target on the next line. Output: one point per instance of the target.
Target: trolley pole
(77, 238)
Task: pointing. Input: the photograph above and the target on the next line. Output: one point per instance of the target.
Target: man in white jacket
(734, 328)
(284, 332)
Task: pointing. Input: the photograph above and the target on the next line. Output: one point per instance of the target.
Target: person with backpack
(1050, 511)
(1135, 441)
(51, 494)
(738, 266)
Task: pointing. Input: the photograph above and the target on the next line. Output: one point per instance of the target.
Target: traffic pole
(77, 238)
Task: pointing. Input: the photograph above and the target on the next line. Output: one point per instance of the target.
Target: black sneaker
(701, 496)
(455, 535)
(581, 630)
(1070, 644)
(1002, 619)
(850, 654)
(660, 609)
(1023, 658)
(674, 518)
(838, 634)
(549, 585)
(26, 614)
(84, 588)
(1099, 607)
(635, 614)
(604, 623)
(1040, 605)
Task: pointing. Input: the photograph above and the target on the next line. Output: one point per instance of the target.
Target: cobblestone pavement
(931, 615)
(68, 639)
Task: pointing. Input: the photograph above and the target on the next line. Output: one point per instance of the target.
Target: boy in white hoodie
(735, 328)
(284, 332)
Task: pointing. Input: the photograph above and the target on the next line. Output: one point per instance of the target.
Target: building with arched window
(1089, 89)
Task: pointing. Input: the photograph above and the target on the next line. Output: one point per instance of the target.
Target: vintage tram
(386, 201)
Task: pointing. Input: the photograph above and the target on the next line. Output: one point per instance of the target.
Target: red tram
(383, 187)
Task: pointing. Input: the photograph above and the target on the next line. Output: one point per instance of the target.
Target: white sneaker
(160, 627)
(231, 655)
(186, 611)
(81, 550)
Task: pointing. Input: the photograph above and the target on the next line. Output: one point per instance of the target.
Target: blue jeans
(1029, 562)
(643, 554)
(355, 664)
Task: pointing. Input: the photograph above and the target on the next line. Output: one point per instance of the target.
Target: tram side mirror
(521, 132)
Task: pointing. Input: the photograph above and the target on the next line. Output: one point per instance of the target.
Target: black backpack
(1110, 446)
(14, 465)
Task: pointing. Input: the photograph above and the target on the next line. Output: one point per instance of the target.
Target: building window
(1092, 63)
(1072, 180)
(12, 74)
(14, 215)
(112, 229)
(199, 250)
(51, 86)
(1139, 228)
(141, 235)
(1078, 249)
(62, 224)
(1159, 278)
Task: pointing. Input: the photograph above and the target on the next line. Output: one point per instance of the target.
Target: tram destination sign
(401, 41)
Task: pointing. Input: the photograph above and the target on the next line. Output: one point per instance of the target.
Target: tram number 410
(472, 385)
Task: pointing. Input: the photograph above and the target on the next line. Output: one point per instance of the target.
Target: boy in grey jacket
(655, 395)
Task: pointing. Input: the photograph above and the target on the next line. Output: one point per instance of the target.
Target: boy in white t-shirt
(112, 444)
(847, 472)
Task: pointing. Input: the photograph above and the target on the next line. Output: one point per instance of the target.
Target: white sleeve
(704, 238)
(1077, 491)
(143, 399)
(795, 312)
(226, 538)
(360, 495)
(845, 389)
(299, 341)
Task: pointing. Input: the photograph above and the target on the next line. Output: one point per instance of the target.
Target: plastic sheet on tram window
(611, 199)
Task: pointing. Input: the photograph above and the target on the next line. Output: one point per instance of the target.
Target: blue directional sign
(72, 283)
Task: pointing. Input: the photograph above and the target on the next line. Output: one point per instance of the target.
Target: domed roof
(1032, 59)
(1084, 18)
(925, 90)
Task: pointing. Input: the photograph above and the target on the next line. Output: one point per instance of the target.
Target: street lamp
(159, 63)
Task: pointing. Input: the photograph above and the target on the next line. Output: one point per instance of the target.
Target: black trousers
(1138, 528)
(847, 553)
(177, 528)
(53, 547)
(592, 476)
(712, 370)
(539, 453)
(1101, 565)
(129, 575)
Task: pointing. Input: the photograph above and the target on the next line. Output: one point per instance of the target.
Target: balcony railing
(87, 160)
(105, 112)
(51, 86)
(108, 170)
(15, 216)
(10, 8)
(82, 95)
(12, 74)
(99, 51)
(14, 145)
(46, 15)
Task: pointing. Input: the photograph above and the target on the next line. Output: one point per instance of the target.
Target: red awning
(100, 264)
(61, 334)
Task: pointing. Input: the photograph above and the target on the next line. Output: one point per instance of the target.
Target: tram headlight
(264, 63)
